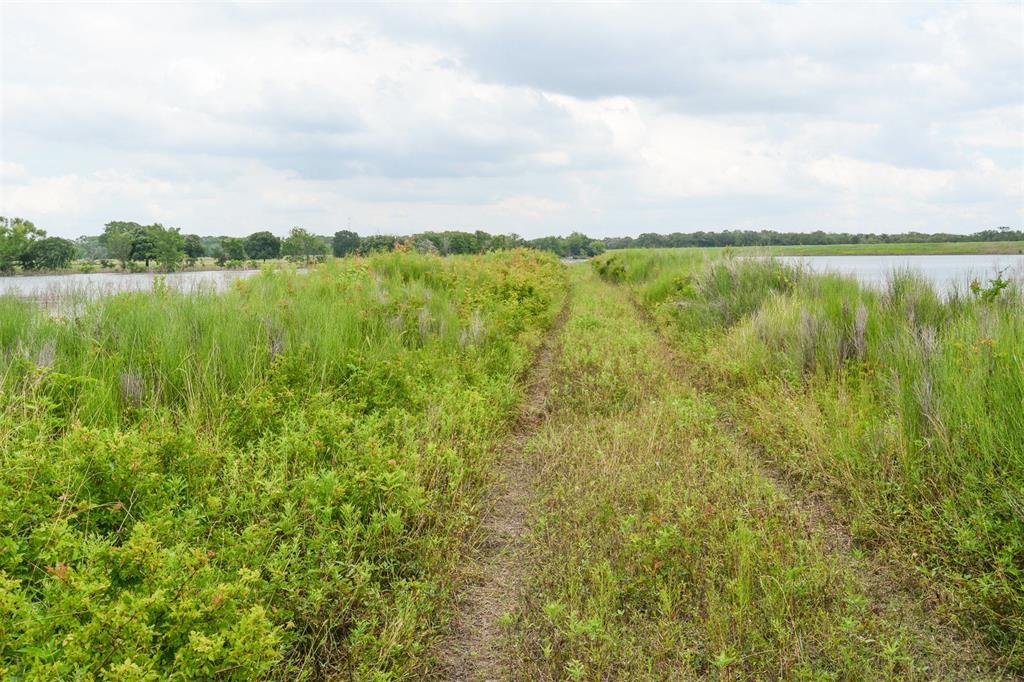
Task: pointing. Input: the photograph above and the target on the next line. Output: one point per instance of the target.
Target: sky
(532, 119)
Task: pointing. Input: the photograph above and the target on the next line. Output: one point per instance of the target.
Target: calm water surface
(50, 287)
(945, 272)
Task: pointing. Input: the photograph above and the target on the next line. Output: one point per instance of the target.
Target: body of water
(946, 272)
(90, 285)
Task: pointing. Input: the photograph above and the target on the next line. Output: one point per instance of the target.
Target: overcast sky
(534, 119)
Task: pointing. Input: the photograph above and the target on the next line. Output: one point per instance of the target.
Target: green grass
(661, 551)
(904, 409)
(271, 482)
(922, 249)
(282, 480)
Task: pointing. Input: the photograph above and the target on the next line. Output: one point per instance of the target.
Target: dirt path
(472, 651)
(895, 593)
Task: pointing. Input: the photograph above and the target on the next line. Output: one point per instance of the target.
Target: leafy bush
(270, 481)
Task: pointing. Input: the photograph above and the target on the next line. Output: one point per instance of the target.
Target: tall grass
(660, 551)
(272, 481)
(906, 407)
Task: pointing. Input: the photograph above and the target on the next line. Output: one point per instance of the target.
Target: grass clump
(270, 482)
(659, 550)
(904, 407)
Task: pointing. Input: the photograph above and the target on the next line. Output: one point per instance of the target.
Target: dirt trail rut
(902, 596)
(473, 649)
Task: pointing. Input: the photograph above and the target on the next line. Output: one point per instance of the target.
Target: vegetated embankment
(902, 412)
(277, 481)
(659, 549)
(474, 648)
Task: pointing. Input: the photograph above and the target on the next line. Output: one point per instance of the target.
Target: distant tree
(168, 246)
(304, 244)
(194, 247)
(118, 239)
(504, 241)
(144, 242)
(233, 248)
(577, 245)
(211, 244)
(262, 245)
(554, 244)
(88, 247)
(51, 253)
(375, 243)
(16, 236)
(423, 245)
(344, 243)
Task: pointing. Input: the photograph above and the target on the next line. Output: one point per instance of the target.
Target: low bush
(273, 481)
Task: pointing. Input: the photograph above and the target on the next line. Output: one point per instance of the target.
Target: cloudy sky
(534, 119)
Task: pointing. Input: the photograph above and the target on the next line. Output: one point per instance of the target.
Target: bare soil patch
(473, 648)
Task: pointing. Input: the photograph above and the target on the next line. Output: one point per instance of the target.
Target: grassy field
(660, 550)
(271, 482)
(664, 464)
(927, 249)
(901, 410)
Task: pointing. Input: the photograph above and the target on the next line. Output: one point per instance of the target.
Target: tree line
(24, 245)
(650, 240)
(137, 247)
(134, 246)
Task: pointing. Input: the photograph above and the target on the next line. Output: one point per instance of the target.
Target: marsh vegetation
(732, 468)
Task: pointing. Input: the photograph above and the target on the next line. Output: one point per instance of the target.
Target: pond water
(90, 285)
(946, 272)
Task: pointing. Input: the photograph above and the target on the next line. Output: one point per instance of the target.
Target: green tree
(262, 245)
(118, 239)
(374, 243)
(168, 246)
(16, 235)
(144, 242)
(505, 241)
(304, 244)
(51, 253)
(194, 247)
(232, 248)
(344, 243)
(88, 247)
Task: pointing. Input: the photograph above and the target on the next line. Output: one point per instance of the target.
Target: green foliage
(660, 550)
(344, 243)
(902, 406)
(88, 247)
(269, 482)
(229, 249)
(303, 244)
(129, 241)
(144, 243)
(991, 292)
(16, 237)
(194, 247)
(262, 245)
(860, 243)
(49, 253)
(576, 245)
(377, 244)
(168, 247)
(118, 239)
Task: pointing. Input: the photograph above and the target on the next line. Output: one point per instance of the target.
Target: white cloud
(615, 119)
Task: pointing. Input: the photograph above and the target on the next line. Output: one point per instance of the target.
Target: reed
(905, 407)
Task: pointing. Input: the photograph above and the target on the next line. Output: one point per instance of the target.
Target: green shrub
(272, 481)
